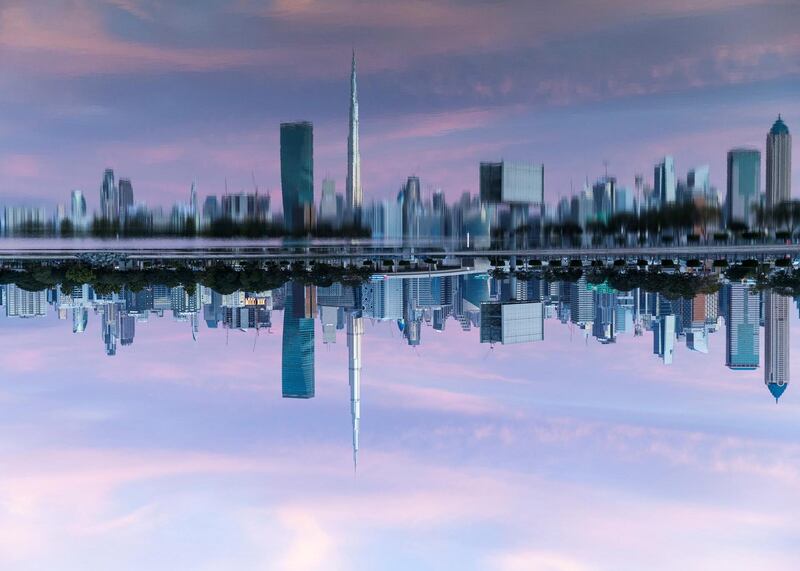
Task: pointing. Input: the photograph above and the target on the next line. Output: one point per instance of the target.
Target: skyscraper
(327, 204)
(297, 175)
(125, 196)
(353, 189)
(77, 207)
(744, 185)
(355, 330)
(779, 164)
(411, 197)
(665, 182)
(741, 326)
(776, 343)
(297, 366)
(109, 201)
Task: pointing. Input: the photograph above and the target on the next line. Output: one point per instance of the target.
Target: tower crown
(779, 127)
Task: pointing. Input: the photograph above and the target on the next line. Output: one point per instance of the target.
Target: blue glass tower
(297, 175)
(744, 184)
(297, 367)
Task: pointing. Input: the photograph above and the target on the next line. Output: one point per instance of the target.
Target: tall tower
(109, 200)
(776, 343)
(297, 175)
(744, 185)
(779, 164)
(665, 183)
(297, 365)
(355, 330)
(353, 190)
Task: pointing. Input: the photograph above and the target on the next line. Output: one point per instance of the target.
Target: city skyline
(557, 123)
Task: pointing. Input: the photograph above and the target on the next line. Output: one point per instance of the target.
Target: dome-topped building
(779, 127)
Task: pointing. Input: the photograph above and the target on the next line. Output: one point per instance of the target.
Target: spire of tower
(353, 185)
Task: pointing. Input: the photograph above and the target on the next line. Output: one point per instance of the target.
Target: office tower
(109, 327)
(604, 328)
(353, 188)
(697, 180)
(297, 365)
(328, 317)
(387, 299)
(211, 210)
(194, 213)
(742, 325)
(744, 185)
(23, 303)
(776, 343)
(664, 337)
(125, 192)
(327, 204)
(297, 175)
(779, 164)
(80, 319)
(512, 322)
(412, 203)
(355, 330)
(512, 183)
(603, 193)
(581, 299)
(127, 329)
(622, 200)
(109, 201)
(77, 210)
(665, 182)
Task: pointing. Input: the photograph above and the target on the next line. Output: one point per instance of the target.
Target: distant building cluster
(505, 311)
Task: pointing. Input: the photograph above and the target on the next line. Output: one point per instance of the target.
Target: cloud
(528, 560)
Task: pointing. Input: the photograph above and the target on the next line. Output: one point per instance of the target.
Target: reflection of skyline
(505, 310)
(297, 366)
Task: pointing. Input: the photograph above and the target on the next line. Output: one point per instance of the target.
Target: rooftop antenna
(605, 165)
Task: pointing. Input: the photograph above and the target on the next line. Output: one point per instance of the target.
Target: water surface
(428, 423)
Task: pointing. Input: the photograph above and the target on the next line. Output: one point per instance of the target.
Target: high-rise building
(512, 322)
(297, 175)
(125, 192)
(779, 164)
(744, 185)
(776, 343)
(353, 188)
(109, 200)
(582, 305)
(23, 303)
(742, 326)
(665, 182)
(297, 365)
(412, 203)
(355, 331)
(77, 211)
(664, 337)
(603, 193)
(512, 183)
(327, 204)
(697, 180)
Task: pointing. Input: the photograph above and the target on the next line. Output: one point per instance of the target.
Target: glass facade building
(297, 175)
(512, 183)
(297, 366)
(744, 185)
